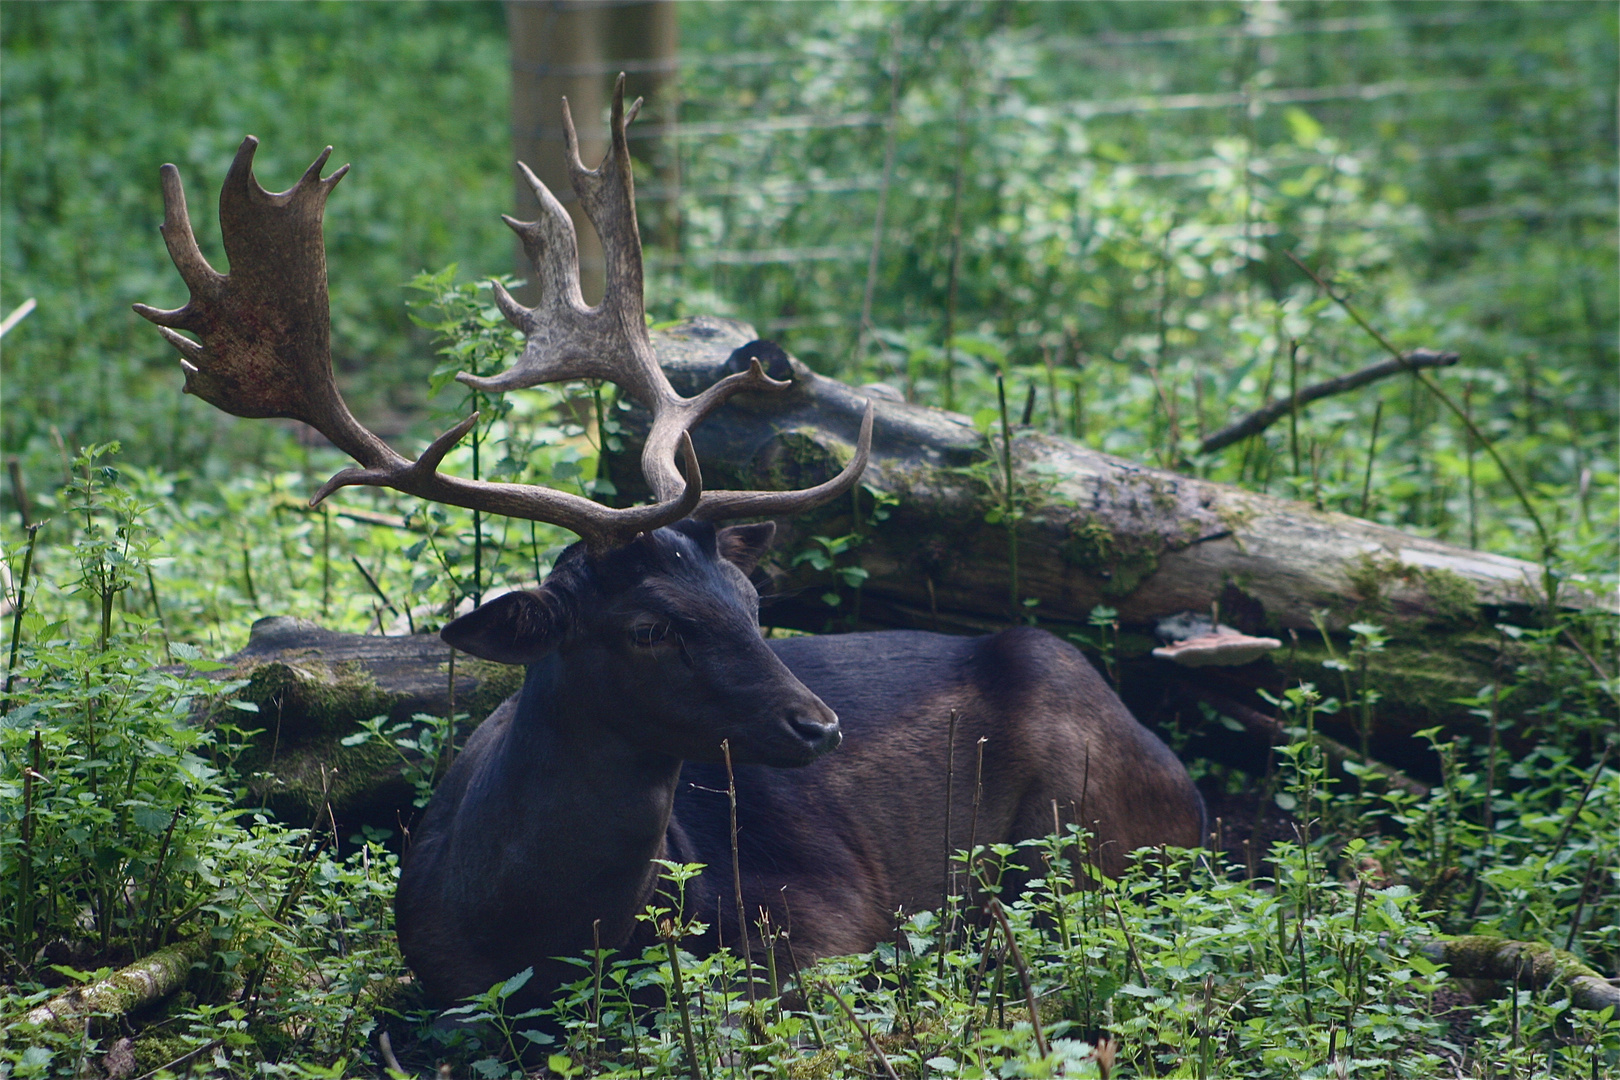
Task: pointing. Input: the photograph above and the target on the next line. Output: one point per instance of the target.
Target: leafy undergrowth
(1130, 310)
(128, 827)
(1186, 967)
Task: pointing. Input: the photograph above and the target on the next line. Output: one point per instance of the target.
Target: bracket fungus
(1195, 641)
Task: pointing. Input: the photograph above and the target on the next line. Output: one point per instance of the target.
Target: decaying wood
(1098, 529)
(314, 687)
(145, 982)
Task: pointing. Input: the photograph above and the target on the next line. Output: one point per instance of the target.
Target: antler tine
(552, 246)
(608, 193)
(265, 326)
(201, 278)
(566, 340)
(680, 415)
(721, 505)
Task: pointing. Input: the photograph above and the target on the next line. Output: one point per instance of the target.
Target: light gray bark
(146, 981)
(1099, 529)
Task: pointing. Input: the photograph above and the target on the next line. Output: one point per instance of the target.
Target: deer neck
(573, 815)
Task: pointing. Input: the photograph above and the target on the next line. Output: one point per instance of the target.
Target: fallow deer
(644, 652)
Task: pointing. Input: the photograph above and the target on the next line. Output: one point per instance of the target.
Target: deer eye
(648, 634)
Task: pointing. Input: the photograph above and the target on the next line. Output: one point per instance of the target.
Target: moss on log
(1525, 963)
(315, 687)
(145, 982)
(1097, 528)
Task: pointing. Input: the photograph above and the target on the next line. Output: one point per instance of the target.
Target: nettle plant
(111, 794)
(1189, 965)
(125, 830)
(1184, 967)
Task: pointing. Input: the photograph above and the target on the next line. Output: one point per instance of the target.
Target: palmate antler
(265, 345)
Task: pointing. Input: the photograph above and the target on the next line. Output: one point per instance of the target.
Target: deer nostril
(818, 732)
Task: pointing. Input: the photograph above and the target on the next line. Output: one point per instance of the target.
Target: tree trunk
(575, 49)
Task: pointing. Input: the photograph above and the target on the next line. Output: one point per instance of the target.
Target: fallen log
(1525, 963)
(1097, 529)
(145, 982)
(1092, 531)
(314, 687)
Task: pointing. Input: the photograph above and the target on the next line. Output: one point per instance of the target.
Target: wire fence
(781, 152)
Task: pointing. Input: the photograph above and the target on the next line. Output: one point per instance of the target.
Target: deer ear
(745, 545)
(517, 628)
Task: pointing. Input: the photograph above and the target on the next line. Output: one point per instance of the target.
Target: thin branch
(18, 314)
(1270, 731)
(1548, 548)
(1580, 803)
(736, 875)
(866, 1034)
(148, 980)
(1597, 669)
(386, 1046)
(995, 908)
(387, 603)
(1264, 417)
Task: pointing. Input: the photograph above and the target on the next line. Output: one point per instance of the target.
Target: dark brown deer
(644, 652)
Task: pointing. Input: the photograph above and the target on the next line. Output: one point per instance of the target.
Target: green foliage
(424, 753)
(137, 836)
(829, 556)
(96, 98)
(1127, 198)
(125, 830)
(1124, 219)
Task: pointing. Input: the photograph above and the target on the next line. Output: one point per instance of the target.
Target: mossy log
(1096, 529)
(1525, 963)
(145, 982)
(314, 687)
